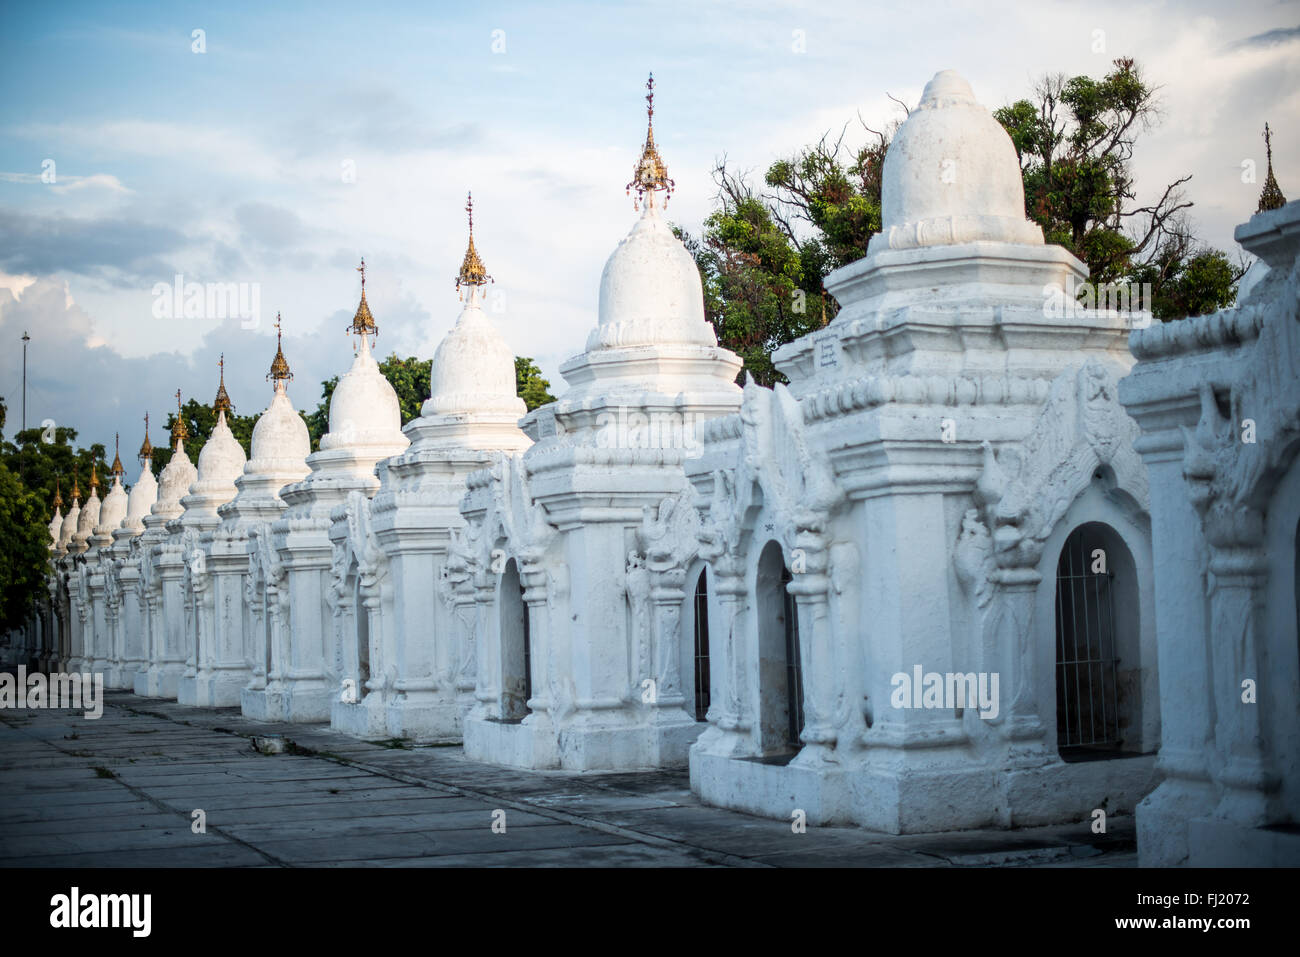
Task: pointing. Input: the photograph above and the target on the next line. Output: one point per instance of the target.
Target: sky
(284, 142)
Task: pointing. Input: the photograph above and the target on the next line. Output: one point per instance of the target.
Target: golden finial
(279, 365)
(650, 175)
(58, 496)
(1271, 197)
(363, 323)
(117, 456)
(94, 479)
(76, 488)
(472, 270)
(222, 402)
(146, 450)
(179, 431)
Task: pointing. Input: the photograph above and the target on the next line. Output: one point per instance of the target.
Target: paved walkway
(121, 791)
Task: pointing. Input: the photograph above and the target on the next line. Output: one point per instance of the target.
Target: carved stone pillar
(809, 584)
(1238, 619)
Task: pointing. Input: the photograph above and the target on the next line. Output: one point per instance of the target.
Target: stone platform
(121, 791)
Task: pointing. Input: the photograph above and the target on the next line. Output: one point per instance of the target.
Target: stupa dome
(89, 517)
(143, 494)
(650, 291)
(69, 524)
(952, 176)
(113, 509)
(222, 459)
(175, 479)
(280, 433)
(364, 410)
(473, 368)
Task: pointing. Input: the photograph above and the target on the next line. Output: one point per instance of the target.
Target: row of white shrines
(960, 488)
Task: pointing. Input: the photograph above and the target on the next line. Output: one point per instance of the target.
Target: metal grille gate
(1087, 699)
(528, 652)
(701, 648)
(793, 664)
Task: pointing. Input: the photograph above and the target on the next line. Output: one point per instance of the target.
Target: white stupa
(955, 250)
(70, 520)
(652, 344)
(162, 569)
(573, 509)
(220, 462)
(143, 494)
(952, 176)
(365, 418)
(87, 519)
(469, 420)
(175, 479)
(473, 398)
(280, 447)
(364, 429)
(56, 523)
(113, 509)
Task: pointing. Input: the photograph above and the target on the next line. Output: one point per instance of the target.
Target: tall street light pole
(26, 339)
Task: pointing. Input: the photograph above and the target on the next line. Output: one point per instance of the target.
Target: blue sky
(227, 165)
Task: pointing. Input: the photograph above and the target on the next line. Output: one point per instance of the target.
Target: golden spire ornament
(363, 323)
(222, 402)
(279, 365)
(146, 449)
(179, 432)
(58, 496)
(76, 488)
(1271, 197)
(650, 175)
(117, 457)
(94, 479)
(472, 270)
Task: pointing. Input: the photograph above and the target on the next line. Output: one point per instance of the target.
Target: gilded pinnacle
(222, 402)
(650, 175)
(117, 457)
(179, 432)
(58, 496)
(146, 449)
(1271, 196)
(279, 365)
(363, 323)
(472, 270)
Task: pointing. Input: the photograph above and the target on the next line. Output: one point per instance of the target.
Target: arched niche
(780, 671)
(696, 645)
(1103, 529)
(516, 653)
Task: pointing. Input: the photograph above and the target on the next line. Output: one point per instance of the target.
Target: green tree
(764, 255)
(46, 460)
(1075, 140)
(24, 560)
(1188, 279)
(32, 466)
(529, 384)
